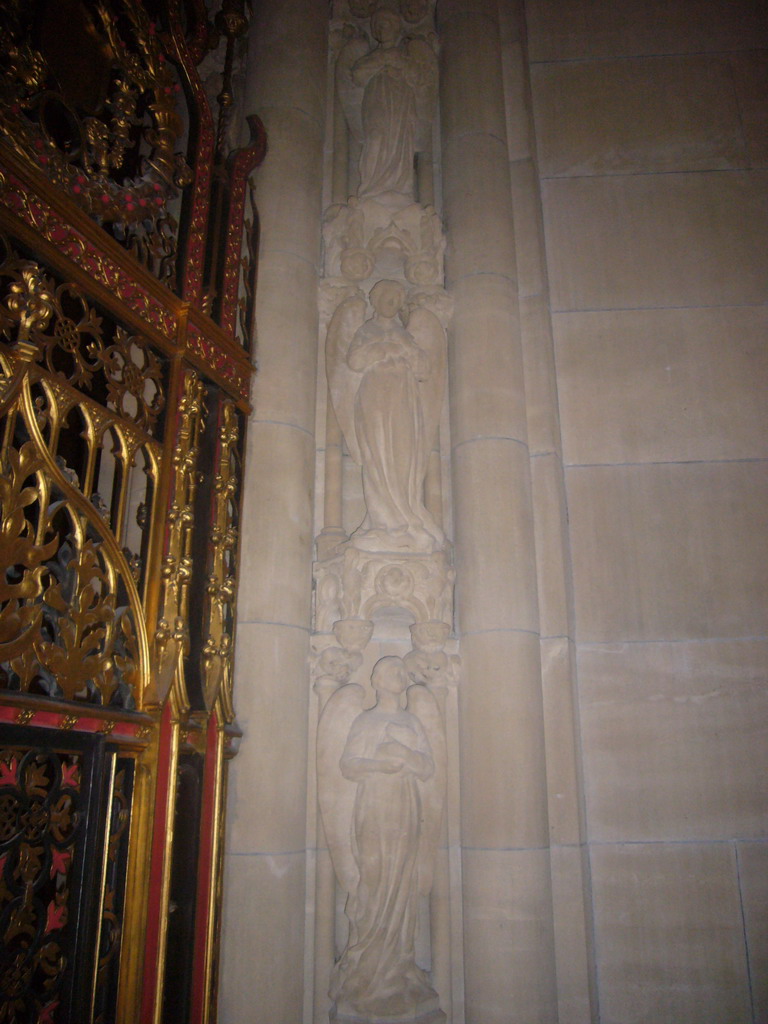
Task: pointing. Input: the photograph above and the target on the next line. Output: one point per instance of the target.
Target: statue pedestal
(431, 1016)
(366, 239)
(355, 584)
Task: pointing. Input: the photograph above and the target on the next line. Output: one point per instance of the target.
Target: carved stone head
(430, 636)
(385, 26)
(338, 664)
(389, 674)
(387, 297)
(353, 634)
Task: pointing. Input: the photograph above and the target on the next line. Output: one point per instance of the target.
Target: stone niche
(384, 664)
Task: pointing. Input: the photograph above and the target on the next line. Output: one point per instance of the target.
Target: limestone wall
(596, 186)
(266, 859)
(650, 131)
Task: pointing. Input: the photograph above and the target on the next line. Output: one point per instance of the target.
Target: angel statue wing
(428, 333)
(336, 795)
(343, 382)
(423, 705)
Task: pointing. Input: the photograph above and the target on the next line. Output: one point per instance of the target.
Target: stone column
(263, 928)
(567, 834)
(509, 959)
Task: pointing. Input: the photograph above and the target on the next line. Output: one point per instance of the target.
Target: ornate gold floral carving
(22, 585)
(29, 300)
(61, 630)
(134, 379)
(222, 585)
(70, 620)
(17, 196)
(30, 305)
(116, 160)
(172, 634)
(41, 812)
(57, 326)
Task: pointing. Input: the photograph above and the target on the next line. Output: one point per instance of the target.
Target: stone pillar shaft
(573, 927)
(509, 964)
(263, 933)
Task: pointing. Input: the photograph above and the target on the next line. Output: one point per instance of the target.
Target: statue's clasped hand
(396, 750)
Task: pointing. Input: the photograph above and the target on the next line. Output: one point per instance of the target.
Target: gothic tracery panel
(127, 273)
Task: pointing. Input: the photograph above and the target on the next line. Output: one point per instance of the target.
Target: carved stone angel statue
(387, 385)
(382, 779)
(388, 95)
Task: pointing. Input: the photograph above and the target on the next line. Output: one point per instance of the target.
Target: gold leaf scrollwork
(89, 628)
(61, 631)
(134, 379)
(57, 327)
(222, 587)
(22, 582)
(29, 305)
(30, 301)
(117, 160)
(72, 347)
(171, 639)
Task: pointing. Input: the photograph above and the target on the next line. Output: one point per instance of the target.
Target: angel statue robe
(387, 385)
(377, 975)
(389, 124)
(389, 424)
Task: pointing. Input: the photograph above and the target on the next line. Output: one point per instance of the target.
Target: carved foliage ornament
(48, 795)
(69, 337)
(70, 618)
(37, 213)
(363, 234)
(63, 632)
(172, 634)
(41, 818)
(221, 588)
(89, 97)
